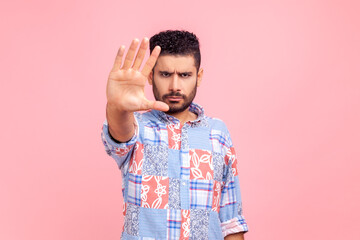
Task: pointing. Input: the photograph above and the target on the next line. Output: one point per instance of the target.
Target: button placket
(185, 168)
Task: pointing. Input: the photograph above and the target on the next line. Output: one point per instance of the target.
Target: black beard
(172, 109)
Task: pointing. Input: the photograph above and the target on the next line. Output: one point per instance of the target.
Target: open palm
(126, 84)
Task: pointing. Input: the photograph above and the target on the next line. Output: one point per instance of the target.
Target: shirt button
(183, 183)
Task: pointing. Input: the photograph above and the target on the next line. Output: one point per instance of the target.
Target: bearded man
(178, 165)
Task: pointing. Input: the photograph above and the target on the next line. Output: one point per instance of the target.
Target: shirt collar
(168, 119)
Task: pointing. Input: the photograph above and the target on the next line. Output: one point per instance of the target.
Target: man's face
(175, 80)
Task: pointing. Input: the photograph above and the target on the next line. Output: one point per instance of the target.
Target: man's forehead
(179, 63)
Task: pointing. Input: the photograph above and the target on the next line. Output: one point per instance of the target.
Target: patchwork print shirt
(180, 181)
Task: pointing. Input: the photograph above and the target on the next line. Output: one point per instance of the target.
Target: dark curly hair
(175, 42)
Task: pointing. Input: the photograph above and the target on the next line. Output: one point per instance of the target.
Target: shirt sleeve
(231, 212)
(121, 152)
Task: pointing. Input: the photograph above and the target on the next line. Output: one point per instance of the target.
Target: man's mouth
(174, 98)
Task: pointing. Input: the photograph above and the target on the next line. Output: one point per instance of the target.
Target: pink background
(284, 76)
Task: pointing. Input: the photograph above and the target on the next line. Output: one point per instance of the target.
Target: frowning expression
(174, 80)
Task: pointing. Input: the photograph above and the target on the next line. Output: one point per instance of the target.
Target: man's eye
(165, 74)
(185, 75)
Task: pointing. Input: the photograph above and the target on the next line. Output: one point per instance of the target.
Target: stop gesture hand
(126, 83)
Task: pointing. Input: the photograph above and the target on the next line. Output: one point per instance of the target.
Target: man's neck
(184, 116)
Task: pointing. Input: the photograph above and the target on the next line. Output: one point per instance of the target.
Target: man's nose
(174, 85)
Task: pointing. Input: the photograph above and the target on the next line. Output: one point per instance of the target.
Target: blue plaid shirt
(179, 181)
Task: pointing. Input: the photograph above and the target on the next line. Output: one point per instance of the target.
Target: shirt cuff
(120, 149)
(234, 225)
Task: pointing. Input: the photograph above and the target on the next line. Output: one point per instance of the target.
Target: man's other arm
(235, 236)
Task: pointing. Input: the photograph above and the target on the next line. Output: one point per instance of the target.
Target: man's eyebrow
(189, 73)
(166, 72)
(178, 73)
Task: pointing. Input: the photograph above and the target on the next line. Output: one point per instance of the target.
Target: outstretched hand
(126, 84)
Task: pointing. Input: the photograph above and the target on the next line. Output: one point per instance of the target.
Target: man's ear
(150, 77)
(199, 76)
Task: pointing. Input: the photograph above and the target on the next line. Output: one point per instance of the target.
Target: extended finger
(118, 59)
(130, 54)
(150, 63)
(141, 53)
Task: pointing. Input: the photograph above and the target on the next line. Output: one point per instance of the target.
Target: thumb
(156, 105)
